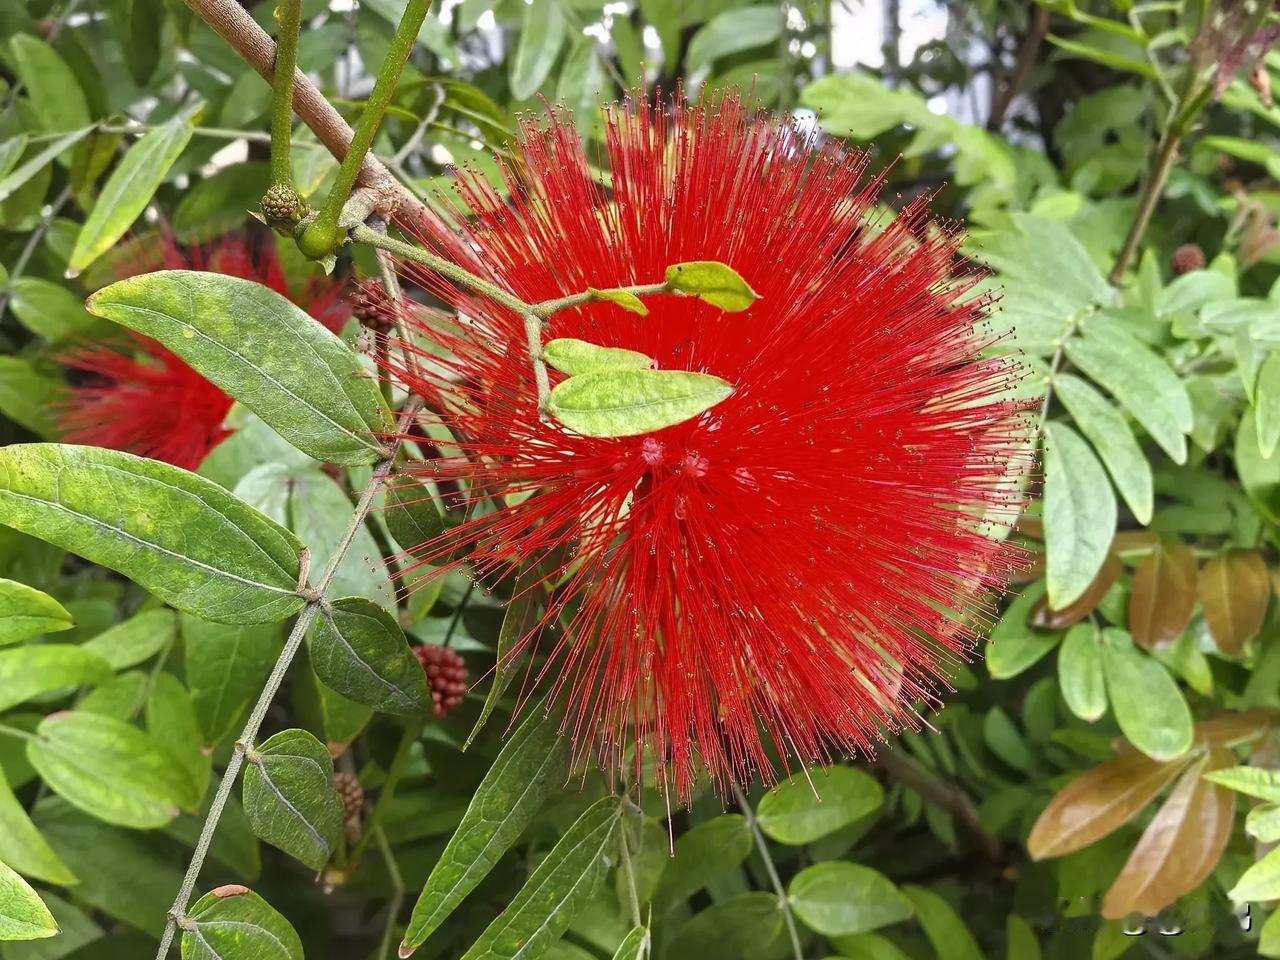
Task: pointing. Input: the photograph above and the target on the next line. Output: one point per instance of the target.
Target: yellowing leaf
(624, 299)
(712, 282)
(576, 357)
(623, 403)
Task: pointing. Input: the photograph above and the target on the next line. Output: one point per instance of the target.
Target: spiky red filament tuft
(140, 397)
(791, 571)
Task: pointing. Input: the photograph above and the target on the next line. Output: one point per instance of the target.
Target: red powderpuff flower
(149, 401)
(788, 573)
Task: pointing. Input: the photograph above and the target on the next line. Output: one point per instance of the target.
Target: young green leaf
(623, 403)
(1080, 672)
(1014, 645)
(225, 667)
(171, 720)
(626, 300)
(110, 769)
(1147, 702)
(264, 351)
(48, 310)
(23, 915)
(22, 846)
(289, 796)
(27, 612)
(634, 946)
(1266, 401)
(575, 357)
(137, 639)
(182, 537)
(1105, 427)
(707, 851)
(1079, 515)
(541, 36)
(1260, 882)
(412, 516)
(129, 189)
(712, 282)
(15, 179)
(740, 928)
(531, 766)
(1251, 781)
(29, 671)
(806, 808)
(560, 886)
(234, 923)
(57, 100)
(838, 898)
(942, 925)
(359, 650)
(1263, 823)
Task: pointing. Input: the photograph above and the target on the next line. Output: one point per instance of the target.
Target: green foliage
(619, 402)
(289, 796)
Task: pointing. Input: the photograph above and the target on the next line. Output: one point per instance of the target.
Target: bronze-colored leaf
(1235, 590)
(1045, 619)
(1181, 845)
(1163, 594)
(1230, 728)
(1030, 527)
(1099, 801)
(1126, 540)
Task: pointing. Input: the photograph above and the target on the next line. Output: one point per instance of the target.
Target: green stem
(289, 15)
(397, 896)
(633, 896)
(9, 731)
(319, 239)
(394, 774)
(775, 881)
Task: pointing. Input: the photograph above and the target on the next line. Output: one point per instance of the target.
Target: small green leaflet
(234, 923)
(412, 516)
(1147, 702)
(289, 796)
(273, 357)
(182, 537)
(634, 946)
(1266, 400)
(944, 928)
(29, 671)
(1251, 781)
(23, 915)
(57, 100)
(137, 639)
(712, 282)
(15, 179)
(21, 845)
(26, 612)
(130, 188)
(575, 357)
(520, 617)
(541, 35)
(1080, 672)
(623, 403)
(560, 886)
(808, 807)
(838, 898)
(1106, 429)
(625, 299)
(708, 850)
(740, 928)
(532, 765)
(359, 650)
(1079, 515)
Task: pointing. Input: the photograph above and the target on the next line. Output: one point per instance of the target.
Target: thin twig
(951, 799)
(29, 249)
(776, 881)
(177, 913)
(397, 895)
(1021, 68)
(289, 13)
(408, 737)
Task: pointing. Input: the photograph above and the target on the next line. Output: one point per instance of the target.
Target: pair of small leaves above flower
(712, 282)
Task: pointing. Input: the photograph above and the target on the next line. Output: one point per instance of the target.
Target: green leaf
(120, 697)
(562, 883)
(48, 310)
(358, 649)
(18, 177)
(182, 537)
(542, 33)
(623, 403)
(1079, 515)
(1014, 645)
(272, 356)
(319, 510)
(634, 946)
(838, 898)
(57, 101)
(531, 766)
(226, 666)
(290, 799)
(707, 851)
(1266, 401)
(1260, 882)
(1142, 381)
(577, 356)
(26, 612)
(806, 808)
(523, 613)
(1263, 823)
(951, 939)
(23, 915)
(129, 189)
(27, 672)
(1147, 702)
(22, 846)
(171, 720)
(137, 639)
(1110, 435)
(412, 515)
(234, 923)
(1021, 939)
(869, 946)
(110, 769)
(711, 281)
(323, 709)
(1251, 781)
(216, 205)
(27, 396)
(733, 31)
(1080, 672)
(623, 298)
(740, 928)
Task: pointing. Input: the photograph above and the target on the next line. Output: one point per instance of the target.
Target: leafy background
(1111, 753)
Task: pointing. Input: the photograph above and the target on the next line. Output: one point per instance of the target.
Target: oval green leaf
(289, 796)
(110, 769)
(27, 612)
(304, 382)
(838, 898)
(358, 649)
(712, 282)
(1147, 702)
(576, 357)
(533, 764)
(182, 537)
(1080, 672)
(234, 923)
(1079, 515)
(225, 666)
(947, 933)
(22, 846)
(807, 808)
(707, 851)
(129, 189)
(23, 915)
(623, 403)
(1105, 427)
(137, 639)
(623, 298)
(412, 516)
(27, 672)
(740, 928)
(57, 100)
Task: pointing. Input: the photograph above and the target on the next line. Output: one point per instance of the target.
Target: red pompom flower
(149, 401)
(790, 572)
